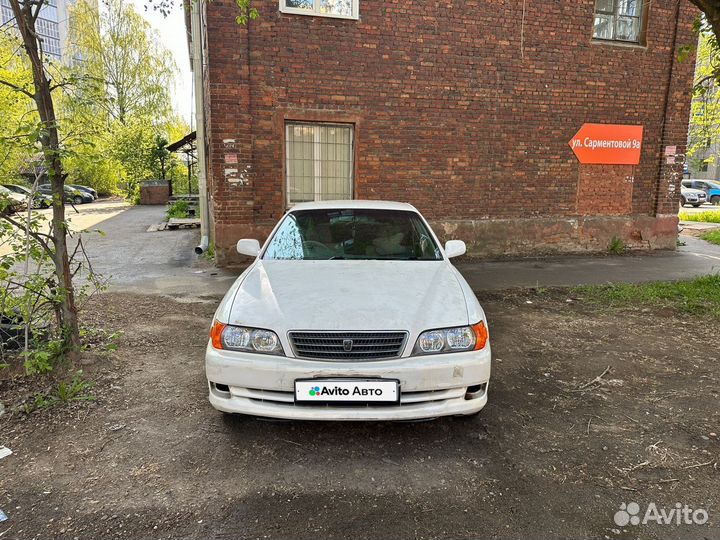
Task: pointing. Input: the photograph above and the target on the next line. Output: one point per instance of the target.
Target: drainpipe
(197, 60)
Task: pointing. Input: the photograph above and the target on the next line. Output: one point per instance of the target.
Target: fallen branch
(595, 380)
(638, 466)
(698, 465)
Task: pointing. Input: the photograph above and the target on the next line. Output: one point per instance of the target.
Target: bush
(134, 195)
(709, 216)
(178, 209)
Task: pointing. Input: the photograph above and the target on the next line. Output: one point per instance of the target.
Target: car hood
(349, 295)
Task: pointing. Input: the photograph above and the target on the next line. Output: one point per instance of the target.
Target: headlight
(445, 340)
(241, 338)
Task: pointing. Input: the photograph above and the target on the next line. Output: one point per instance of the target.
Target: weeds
(66, 392)
(209, 254)
(99, 339)
(178, 209)
(43, 357)
(617, 246)
(75, 390)
(700, 296)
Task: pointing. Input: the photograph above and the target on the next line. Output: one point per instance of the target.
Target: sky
(172, 34)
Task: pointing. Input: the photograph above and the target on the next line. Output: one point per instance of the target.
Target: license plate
(347, 391)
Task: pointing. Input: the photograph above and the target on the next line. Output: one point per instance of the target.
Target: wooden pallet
(183, 223)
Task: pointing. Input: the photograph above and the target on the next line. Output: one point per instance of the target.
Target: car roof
(351, 204)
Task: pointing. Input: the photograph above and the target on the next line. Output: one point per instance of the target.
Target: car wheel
(77, 199)
(715, 199)
(683, 202)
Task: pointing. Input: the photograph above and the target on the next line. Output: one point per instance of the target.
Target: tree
(17, 116)
(40, 92)
(711, 20)
(125, 70)
(704, 131)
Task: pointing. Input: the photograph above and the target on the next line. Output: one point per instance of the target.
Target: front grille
(334, 345)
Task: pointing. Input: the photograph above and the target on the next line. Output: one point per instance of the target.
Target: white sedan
(350, 311)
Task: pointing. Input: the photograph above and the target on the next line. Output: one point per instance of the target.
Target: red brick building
(462, 108)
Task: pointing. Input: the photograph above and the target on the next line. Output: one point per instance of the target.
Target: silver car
(696, 197)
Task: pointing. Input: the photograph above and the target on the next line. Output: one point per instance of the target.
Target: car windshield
(713, 185)
(364, 234)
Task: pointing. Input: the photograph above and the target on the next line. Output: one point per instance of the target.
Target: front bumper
(430, 386)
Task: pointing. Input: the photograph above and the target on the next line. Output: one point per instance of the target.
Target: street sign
(608, 144)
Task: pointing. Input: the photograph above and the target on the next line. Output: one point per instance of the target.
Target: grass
(700, 296)
(712, 236)
(709, 216)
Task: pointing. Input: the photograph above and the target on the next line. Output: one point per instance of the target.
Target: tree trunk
(711, 9)
(50, 142)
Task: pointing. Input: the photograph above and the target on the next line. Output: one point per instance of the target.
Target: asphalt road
(81, 217)
(135, 260)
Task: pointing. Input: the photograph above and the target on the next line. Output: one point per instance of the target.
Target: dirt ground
(552, 455)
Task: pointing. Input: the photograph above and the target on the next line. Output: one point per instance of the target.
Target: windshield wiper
(337, 258)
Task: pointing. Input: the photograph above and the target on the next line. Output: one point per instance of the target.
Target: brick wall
(458, 109)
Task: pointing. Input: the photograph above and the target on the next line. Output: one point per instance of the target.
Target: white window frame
(317, 185)
(315, 12)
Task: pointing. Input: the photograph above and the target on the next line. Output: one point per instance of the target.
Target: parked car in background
(11, 202)
(72, 195)
(710, 187)
(40, 200)
(351, 311)
(86, 189)
(696, 197)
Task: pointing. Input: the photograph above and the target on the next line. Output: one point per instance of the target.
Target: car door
(702, 185)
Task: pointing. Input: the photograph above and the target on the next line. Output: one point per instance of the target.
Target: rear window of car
(362, 234)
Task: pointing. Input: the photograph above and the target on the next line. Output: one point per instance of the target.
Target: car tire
(715, 199)
(77, 199)
(683, 202)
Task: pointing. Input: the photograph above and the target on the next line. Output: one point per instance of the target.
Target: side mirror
(249, 247)
(454, 248)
